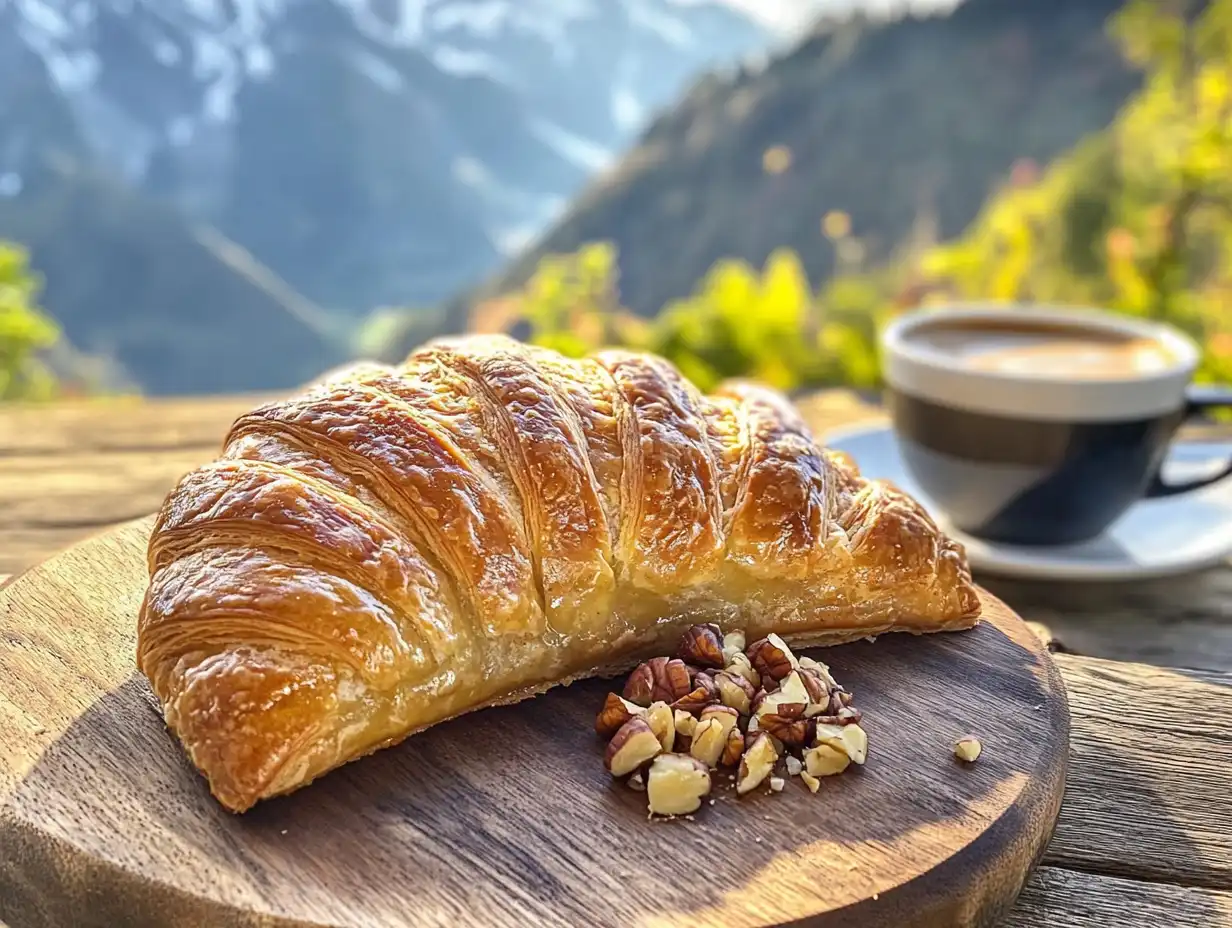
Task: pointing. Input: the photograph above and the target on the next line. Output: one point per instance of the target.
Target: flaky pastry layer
(398, 546)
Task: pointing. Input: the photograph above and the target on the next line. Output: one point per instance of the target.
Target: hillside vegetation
(24, 330)
(1136, 218)
(892, 123)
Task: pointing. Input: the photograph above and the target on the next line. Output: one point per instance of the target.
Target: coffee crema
(1064, 352)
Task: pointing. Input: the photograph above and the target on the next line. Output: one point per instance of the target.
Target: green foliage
(24, 330)
(739, 322)
(1137, 219)
(387, 326)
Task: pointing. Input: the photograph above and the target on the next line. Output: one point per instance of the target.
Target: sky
(787, 15)
(792, 15)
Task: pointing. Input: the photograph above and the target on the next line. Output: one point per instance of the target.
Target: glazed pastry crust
(395, 547)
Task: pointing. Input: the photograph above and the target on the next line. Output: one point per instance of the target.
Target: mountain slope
(883, 121)
(178, 308)
(370, 151)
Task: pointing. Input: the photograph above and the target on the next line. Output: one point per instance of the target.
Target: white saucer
(1156, 538)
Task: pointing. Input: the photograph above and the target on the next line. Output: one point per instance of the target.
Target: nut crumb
(283, 832)
(636, 782)
(968, 749)
(712, 802)
(777, 784)
(794, 766)
(757, 840)
(757, 764)
(676, 784)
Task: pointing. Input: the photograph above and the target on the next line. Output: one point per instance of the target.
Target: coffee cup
(1037, 425)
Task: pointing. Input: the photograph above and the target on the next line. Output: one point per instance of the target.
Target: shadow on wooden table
(439, 822)
(1173, 622)
(1125, 811)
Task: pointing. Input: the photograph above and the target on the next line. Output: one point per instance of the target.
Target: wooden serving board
(507, 817)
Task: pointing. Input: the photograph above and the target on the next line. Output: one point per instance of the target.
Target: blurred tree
(1137, 218)
(24, 330)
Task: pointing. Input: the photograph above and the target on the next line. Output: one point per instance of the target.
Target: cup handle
(1198, 400)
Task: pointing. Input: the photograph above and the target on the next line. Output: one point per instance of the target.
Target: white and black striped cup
(1032, 458)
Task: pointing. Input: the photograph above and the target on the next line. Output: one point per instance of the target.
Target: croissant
(397, 546)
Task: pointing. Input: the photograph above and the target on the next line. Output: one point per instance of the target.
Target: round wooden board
(507, 817)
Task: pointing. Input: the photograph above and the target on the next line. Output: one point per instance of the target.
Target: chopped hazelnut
(848, 714)
(756, 764)
(792, 732)
(771, 658)
(796, 688)
(733, 644)
(709, 739)
(825, 760)
(633, 745)
(741, 666)
(777, 784)
(685, 723)
(660, 679)
(662, 722)
(794, 766)
(733, 749)
(702, 646)
(615, 712)
(968, 749)
(734, 691)
(725, 715)
(852, 740)
(784, 702)
(814, 686)
(821, 670)
(704, 693)
(810, 781)
(676, 784)
(636, 782)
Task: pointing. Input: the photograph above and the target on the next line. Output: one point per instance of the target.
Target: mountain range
(904, 124)
(215, 191)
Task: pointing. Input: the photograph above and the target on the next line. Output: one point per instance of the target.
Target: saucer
(1156, 538)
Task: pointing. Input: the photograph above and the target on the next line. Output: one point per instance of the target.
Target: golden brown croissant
(395, 547)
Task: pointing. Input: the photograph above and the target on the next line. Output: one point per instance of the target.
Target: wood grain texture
(1056, 898)
(120, 424)
(507, 816)
(71, 469)
(1150, 774)
(1176, 621)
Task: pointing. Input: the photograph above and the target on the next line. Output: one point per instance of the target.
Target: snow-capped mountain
(367, 151)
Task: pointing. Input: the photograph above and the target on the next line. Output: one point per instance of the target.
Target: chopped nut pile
(756, 709)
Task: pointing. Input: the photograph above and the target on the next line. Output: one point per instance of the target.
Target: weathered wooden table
(1145, 836)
